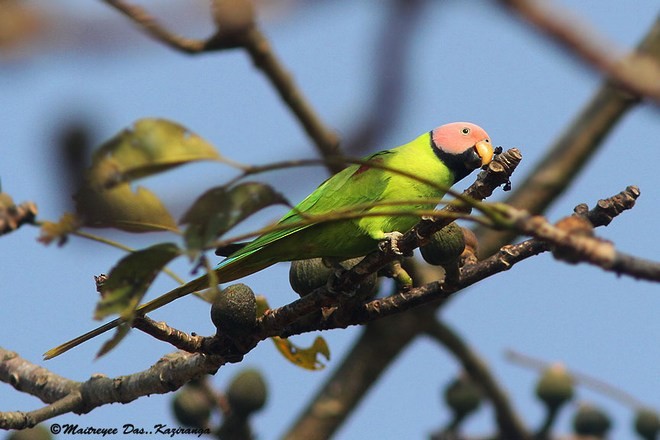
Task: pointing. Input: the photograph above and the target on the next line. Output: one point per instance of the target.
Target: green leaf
(219, 209)
(122, 208)
(131, 277)
(151, 146)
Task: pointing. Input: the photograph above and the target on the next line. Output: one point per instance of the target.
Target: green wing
(356, 184)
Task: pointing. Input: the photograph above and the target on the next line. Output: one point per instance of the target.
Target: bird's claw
(391, 243)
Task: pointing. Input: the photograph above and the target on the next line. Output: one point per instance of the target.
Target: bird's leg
(403, 280)
(452, 273)
(333, 263)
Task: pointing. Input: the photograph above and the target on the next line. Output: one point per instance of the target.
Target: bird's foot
(391, 243)
(337, 285)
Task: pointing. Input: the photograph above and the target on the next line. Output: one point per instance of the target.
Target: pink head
(462, 146)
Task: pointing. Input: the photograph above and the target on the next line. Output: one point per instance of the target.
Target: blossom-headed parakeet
(441, 157)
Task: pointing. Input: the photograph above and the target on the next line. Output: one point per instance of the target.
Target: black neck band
(455, 162)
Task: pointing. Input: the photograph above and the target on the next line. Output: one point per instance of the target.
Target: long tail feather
(183, 290)
(228, 270)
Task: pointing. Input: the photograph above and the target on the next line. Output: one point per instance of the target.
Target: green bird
(440, 157)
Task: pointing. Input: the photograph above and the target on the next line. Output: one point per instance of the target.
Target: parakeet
(442, 157)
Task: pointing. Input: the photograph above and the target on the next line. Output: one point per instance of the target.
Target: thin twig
(163, 332)
(326, 140)
(258, 47)
(574, 246)
(153, 28)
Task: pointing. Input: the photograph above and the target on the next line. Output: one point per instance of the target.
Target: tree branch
(571, 240)
(168, 374)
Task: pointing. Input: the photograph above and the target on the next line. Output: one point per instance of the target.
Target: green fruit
(647, 424)
(445, 246)
(234, 310)
(305, 276)
(235, 428)
(462, 396)
(555, 387)
(39, 432)
(192, 407)
(590, 420)
(247, 393)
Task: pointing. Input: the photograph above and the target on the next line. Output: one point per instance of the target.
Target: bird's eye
(465, 130)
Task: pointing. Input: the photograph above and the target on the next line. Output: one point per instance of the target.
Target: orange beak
(485, 152)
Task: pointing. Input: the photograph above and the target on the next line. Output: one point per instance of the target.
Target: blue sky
(470, 61)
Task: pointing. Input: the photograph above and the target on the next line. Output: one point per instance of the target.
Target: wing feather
(356, 184)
